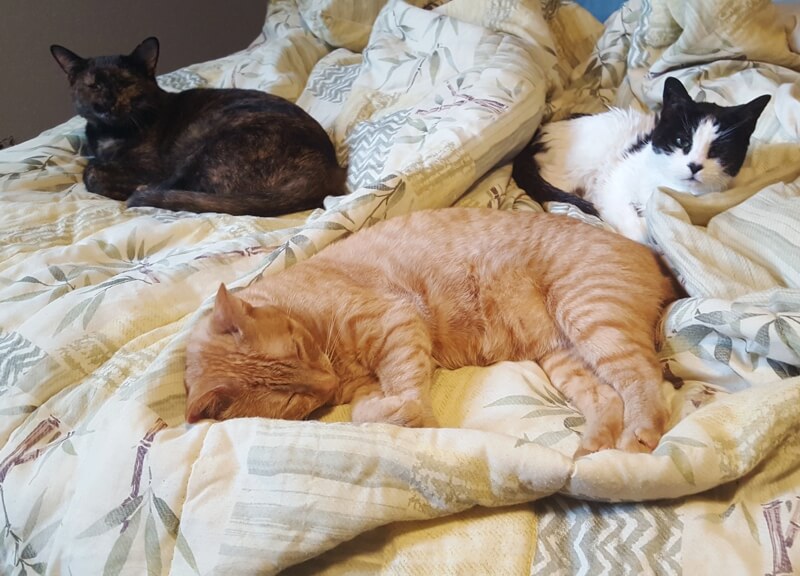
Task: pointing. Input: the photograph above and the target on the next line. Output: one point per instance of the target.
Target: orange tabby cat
(366, 319)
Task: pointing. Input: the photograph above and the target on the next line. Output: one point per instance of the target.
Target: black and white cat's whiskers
(617, 159)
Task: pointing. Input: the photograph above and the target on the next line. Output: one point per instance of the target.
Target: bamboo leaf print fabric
(426, 102)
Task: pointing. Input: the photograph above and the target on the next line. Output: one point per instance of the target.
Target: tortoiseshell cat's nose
(695, 168)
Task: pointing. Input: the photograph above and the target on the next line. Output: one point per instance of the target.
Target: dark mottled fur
(526, 175)
(201, 150)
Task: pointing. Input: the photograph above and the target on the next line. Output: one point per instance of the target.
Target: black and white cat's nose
(695, 168)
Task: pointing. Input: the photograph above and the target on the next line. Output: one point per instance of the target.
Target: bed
(426, 102)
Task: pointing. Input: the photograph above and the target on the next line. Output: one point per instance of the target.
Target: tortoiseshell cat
(365, 320)
(201, 150)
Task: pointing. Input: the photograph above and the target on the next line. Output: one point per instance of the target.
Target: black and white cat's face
(112, 90)
(701, 146)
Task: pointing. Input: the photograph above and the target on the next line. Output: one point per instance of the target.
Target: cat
(610, 164)
(201, 150)
(365, 319)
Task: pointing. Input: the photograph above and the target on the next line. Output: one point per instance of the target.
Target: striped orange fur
(368, 318)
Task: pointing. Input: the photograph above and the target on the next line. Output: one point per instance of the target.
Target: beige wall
(33, 89)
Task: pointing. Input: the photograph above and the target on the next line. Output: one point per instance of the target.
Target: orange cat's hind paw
(603, 422)
(599, 438)
(641, 439)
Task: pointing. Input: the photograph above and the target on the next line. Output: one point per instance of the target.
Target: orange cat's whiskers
(333, 339)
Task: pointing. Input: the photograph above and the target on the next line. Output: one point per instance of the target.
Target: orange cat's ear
(229, 313)
(208, 405)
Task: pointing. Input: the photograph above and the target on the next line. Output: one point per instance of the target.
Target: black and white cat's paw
(634, 227)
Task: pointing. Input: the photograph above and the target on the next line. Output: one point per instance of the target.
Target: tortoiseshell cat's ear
(147, 54)
(229, 312)
(67, 59)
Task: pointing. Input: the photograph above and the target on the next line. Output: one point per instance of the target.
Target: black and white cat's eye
(680, 141)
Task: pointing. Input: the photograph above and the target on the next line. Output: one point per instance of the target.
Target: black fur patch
(640, 143)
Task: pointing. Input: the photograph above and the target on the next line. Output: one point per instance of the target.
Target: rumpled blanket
(100, 474)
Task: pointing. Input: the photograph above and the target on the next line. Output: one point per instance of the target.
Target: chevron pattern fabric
(17, 356)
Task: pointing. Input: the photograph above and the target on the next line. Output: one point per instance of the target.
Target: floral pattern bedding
(426, 103)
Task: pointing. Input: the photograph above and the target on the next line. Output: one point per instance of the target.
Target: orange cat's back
(472, 271)
(442, 248)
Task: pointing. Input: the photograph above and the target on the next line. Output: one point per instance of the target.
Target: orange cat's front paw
(603, 423)
(602, 438)
(397, 410)
(645, 424)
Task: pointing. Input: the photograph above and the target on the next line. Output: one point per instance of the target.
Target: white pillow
(341, 23)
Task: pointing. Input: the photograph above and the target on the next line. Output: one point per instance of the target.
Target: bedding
(426, 103)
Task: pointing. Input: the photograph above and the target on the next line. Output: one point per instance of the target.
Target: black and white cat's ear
(753, 109)
(147, 54)
(675, 93)
(230, 313)
(67, 59)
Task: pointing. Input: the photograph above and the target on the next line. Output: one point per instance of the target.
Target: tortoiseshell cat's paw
(145, 196)
(99, 179)
(397, 410)
(91, 178)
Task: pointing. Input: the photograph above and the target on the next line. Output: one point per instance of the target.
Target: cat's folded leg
(402, 410)
(404, 366)
(599, 403)
(633, 369)
(614, 203)
(110, 180)
(627, 221)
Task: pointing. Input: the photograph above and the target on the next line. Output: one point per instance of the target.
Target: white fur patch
(589, 153)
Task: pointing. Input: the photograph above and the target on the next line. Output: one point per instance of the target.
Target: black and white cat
(610, 164)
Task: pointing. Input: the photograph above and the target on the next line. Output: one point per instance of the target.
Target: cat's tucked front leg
(404, 366)
(402, 410)
(110, 180)
(629, 223)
